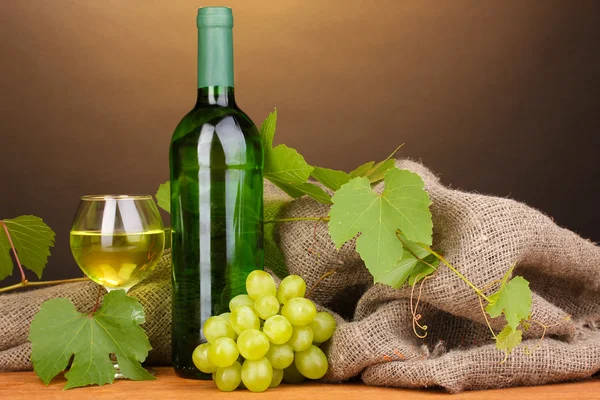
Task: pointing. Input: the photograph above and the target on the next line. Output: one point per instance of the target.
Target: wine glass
(117, 240)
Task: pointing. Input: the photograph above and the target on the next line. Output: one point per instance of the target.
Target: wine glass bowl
(117, 240)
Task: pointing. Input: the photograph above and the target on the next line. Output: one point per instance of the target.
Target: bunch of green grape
(271, 334)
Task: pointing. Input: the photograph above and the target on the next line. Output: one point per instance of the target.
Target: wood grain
(25, 385)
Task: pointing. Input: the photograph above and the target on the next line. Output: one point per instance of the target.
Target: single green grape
(291, 286)
(200, 359)
(260, 283)
(228, 379)
(217, 327)
(323, 327)
(292, 375)
(226, 316)
(277, 377)
(299, 311)
(257, 374)
(280, 356)
(242, 318)
(240, 300)
(266, 306)
(311, 363)
(301, 339)
(278, 329)
(223, 352)
(253, 344)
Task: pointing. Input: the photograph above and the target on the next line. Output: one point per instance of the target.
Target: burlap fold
(482, 236)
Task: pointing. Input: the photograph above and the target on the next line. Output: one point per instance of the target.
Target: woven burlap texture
(482, 236)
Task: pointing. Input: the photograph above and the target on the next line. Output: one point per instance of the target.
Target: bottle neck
(216, 96)
(215, 56)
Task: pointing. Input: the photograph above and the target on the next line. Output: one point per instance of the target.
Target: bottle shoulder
(214, 117)
(216, 137)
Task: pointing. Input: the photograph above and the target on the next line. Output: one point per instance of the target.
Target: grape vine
(395, 228)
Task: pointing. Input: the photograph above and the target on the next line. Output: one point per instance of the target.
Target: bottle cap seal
(215, 16)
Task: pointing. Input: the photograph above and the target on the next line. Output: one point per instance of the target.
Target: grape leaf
(403, 205)
(334, 179)
(375, 172)
(267, 131)
(163, 196)
(6, 263)
(285, 167)
(331, 178)
(58, 331)
(32, 239)
(409, 268)
(306, 189)
(508, 339)
(362, 170)
(513, 299)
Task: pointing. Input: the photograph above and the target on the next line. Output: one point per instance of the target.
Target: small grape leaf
(362, 170)
(285, 167)
(32, 239)
(6, 263)
(375, 172)
(409, 268)
(513, 299)
(331, 178)
(334, 179)
(163, 196)
(403, 205)
(267, 131)
(306, 189)
(508, 339)
(58, 332)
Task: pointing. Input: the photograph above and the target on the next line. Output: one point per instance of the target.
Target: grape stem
(21, 285)
(12, 246)
(97, 300)
(321, 279)
(399, 236)
(461, 276)
(273, 221)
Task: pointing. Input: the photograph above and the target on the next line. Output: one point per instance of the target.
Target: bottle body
(216, 163)
(217, 218)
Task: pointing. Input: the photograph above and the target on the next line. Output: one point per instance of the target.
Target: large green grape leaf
(32, 239)
(285, 167)
(58, 332)
(513, 299)
(403, 205)
(163, 196)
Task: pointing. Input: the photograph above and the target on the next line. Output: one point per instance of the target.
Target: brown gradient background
(499, 97)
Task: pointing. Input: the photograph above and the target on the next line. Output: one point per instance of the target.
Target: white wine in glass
(118, 260)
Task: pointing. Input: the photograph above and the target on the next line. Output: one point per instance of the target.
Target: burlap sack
(481, 235)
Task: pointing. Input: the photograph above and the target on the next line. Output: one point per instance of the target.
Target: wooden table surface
(26, 385)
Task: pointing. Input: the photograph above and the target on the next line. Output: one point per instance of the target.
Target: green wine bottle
(216, 195)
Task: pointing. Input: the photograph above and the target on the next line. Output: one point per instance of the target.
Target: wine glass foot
(119, 375)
